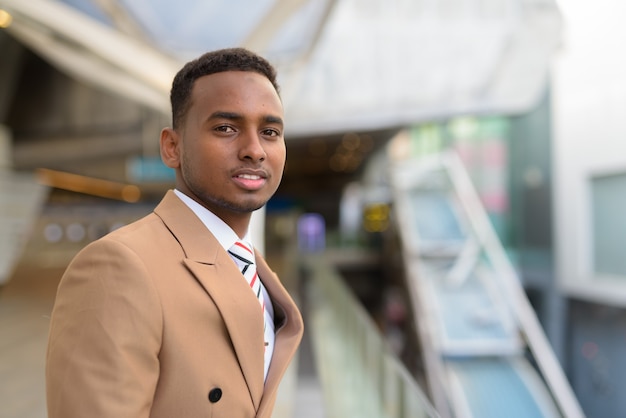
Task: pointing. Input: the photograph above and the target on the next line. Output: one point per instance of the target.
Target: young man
(156, 318)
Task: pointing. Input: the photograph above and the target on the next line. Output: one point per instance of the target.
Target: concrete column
(21, 198)
(6, 146)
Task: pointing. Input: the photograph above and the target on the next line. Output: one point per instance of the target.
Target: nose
(252, 147)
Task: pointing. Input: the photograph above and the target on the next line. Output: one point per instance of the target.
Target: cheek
(213, 156)
(279, 156)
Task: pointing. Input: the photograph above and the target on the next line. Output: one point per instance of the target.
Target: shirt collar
(222, 232)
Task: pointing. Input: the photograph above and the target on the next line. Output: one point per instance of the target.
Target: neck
(239, 224)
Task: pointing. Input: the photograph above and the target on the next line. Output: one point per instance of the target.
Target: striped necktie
(243, 256)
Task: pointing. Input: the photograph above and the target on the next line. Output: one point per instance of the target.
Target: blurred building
(85, 83)
(527, 94)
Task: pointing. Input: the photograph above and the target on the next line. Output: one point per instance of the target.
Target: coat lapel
(218, 274)
(288, 334)
(241, 313)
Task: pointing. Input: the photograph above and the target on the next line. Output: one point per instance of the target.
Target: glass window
(609, 224)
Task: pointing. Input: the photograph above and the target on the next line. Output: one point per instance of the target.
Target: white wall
(589, 111)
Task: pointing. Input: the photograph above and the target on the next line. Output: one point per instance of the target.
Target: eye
(270, 132)
(225, 129)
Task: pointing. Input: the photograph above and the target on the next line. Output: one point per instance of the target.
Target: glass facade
(608, 199)
(482, 144)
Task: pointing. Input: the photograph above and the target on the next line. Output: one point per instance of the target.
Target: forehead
(235, 88)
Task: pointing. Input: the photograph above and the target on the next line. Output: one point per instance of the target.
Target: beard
(211, 201)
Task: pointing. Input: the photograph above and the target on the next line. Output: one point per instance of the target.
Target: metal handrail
(359, 373)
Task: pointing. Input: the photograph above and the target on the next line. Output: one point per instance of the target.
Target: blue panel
(435, 218)
(201, 26)
(149, 169)
(468, 312)
(494, 388)
(89, 8)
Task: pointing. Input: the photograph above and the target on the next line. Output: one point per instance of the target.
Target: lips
(250, 180)
(249, 176)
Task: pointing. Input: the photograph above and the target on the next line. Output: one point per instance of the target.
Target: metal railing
(360, 375)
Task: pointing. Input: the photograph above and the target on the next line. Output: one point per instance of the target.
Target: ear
(170, 147)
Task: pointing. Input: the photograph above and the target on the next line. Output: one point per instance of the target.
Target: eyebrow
(237, 116)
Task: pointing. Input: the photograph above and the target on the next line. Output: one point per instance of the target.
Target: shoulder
(141, 238)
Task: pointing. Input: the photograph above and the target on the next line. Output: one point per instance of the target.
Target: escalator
(483, 349)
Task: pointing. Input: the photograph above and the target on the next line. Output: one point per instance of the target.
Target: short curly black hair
(228, 59)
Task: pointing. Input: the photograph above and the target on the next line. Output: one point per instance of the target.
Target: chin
(247, 207)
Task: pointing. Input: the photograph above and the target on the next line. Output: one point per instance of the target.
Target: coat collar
(195, 239)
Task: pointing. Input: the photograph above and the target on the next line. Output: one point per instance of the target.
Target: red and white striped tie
(244, 258)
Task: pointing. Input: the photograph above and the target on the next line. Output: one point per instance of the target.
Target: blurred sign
(311, 232)
(148, 169)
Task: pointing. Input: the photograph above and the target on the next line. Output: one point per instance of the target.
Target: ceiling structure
(352, 72)
(344, 65)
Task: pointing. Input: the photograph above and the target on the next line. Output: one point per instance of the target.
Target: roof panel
(90, 8)
(376, 64)
(188, 27)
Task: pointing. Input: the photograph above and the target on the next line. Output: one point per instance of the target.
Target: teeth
(249, 177)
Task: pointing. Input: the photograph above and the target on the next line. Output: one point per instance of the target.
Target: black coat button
(215, 395)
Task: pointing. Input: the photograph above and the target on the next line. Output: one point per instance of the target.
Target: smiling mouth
(250, 182)
(249, 177)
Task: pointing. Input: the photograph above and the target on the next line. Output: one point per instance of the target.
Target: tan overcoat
(154, 320)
